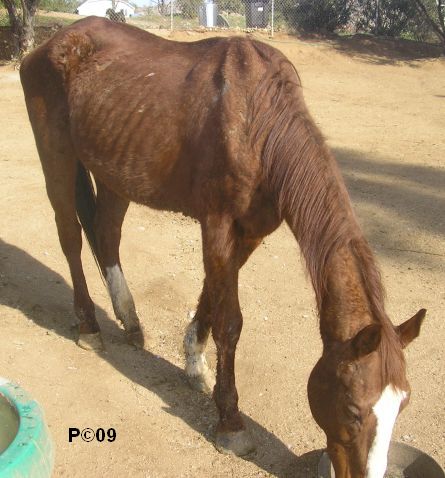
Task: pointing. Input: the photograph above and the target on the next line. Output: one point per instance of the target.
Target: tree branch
(14, 16)
(437, 29)
(440, 10)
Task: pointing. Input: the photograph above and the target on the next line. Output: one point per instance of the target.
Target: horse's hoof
(91, 341)
(202, 383)
(136, 338)
(234, 443)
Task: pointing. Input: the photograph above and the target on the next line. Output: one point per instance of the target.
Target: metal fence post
(273, 18)
(377, 18)
(171, 15)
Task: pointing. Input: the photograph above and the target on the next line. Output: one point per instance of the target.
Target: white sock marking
(196, 363)
(386, 410)
(120, 293)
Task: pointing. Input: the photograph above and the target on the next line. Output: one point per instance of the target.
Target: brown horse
(218, 130)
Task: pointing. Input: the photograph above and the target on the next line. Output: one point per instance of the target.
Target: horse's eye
(353, 413)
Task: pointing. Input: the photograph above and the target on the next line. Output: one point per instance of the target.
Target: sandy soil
(382, 111)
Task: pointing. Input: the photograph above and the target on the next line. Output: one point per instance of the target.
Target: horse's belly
(133, 146)
(142, 179)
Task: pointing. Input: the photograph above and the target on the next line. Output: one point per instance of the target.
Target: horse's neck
(345, 309)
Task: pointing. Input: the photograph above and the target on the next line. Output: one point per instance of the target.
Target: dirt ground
(382, 108)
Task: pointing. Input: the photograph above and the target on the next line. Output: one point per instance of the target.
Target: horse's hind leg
(199, 375)
(60, 176)
(110, 213)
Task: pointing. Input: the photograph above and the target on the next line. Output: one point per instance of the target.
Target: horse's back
(95, 50)
(158, 121)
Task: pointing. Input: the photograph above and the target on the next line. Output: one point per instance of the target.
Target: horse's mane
(311, 195)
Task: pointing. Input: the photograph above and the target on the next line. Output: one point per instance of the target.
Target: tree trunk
(440, 14)
(438, 28)
(16, 25)
(26, 41)
(22, 24)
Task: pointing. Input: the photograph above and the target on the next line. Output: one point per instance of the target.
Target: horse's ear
(410, 329)
(367, 340)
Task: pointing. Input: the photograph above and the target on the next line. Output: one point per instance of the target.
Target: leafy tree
(189, 8)
(163, 7)
(417, 18)
(21, 17)
(319, 15)
(433, 12)
(68, 6)
(231, 6)
(386, 17)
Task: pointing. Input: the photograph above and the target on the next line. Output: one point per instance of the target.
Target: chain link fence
(382, 17)
(267, 15)
(394, 18)
(4, 17)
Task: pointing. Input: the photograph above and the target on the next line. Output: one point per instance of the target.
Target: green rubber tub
(26, 449)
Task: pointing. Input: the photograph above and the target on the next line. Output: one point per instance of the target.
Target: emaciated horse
(218, 130)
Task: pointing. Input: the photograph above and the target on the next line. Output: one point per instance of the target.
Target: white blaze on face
(386, 410)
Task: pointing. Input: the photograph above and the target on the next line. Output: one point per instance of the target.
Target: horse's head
(354, 404)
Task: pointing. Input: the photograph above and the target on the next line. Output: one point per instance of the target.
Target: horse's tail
(86, 208)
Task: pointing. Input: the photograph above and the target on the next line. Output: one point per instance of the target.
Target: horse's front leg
(221, 266)
(200, 376)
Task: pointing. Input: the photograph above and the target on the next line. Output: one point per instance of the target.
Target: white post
(273, 15)
(171, 15)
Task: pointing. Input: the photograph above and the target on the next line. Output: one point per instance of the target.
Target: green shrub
(189, 8)
(386, 17)
(418, 28)
(318, 15)
(68, 6)
(231, 6)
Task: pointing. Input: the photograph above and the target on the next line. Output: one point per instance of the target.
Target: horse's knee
(226, 330)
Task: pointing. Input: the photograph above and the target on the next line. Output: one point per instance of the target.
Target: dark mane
(311, 195)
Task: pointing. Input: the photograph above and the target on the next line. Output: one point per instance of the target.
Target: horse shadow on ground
(25, 282)
(407, 199)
